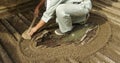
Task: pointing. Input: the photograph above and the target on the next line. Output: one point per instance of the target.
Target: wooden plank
(11, 29)
(4, 56)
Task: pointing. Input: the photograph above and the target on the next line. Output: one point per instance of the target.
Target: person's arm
(41, 22)
(38, 26)
(36, 12)
(46, 16)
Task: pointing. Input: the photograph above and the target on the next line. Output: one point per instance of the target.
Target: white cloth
(53, 4)
(48, 4)
(48, 14)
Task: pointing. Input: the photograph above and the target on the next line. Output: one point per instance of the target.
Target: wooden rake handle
(33, 22)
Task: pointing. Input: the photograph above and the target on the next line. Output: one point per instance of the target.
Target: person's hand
(32, 31)
(28, 33)
(36, 12)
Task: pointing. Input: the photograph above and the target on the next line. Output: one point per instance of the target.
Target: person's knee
(60, 11)
(60, 8)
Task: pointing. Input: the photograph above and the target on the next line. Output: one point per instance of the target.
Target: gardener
(67, 12)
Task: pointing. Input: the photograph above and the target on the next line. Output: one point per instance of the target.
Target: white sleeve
(48, 14)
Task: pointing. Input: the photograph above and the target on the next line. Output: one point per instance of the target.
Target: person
(67, 12)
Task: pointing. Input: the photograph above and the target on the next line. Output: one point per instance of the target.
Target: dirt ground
(56, 49)
(60, 54)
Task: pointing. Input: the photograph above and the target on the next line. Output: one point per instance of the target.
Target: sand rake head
(26, 35)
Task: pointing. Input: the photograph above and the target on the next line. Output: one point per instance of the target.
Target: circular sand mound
(72, 49)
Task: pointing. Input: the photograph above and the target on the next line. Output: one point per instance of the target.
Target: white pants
(69, 13)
